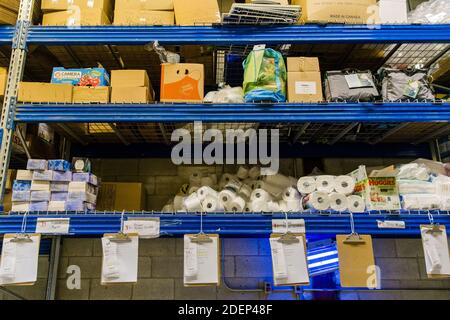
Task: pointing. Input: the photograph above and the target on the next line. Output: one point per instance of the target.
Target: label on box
(391, 224)
(53, 225)
(305, 87)
(412, 89)
(293, 226)
(358, 80)
(145, 228)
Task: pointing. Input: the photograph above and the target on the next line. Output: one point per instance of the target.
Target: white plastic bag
(431, 12)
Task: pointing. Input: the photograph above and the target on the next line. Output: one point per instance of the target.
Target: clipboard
(290, 238)
(199, 239)
(26, 269)
(440, 230)
(355, 257)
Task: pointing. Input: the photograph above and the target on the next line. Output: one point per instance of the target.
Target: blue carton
(21, 185)
(20, 196)
(58, 196)
(87, 77)
(37, 164)
(39, 206)
(59, 165)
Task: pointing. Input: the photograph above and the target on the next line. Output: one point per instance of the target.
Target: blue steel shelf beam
(239, 35)
(159, 112)
(242, 225)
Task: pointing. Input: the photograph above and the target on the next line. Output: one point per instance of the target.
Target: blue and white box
(59, 165)
(39, 206)
(20, 196)
(85, 177)
(58, 186)
(58, 196)
(77, 205)
(40, 196)
(40, 185)
(43, 175)
(37, 164)
(83, 196)
(65, 176)
(21, 185)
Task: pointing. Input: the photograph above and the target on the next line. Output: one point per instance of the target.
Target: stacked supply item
(76, 12)
(131, 86)
(144, 12)
(431, 12)
(350, 85)
(262, 13)
(327, 192)
(52, 186)
(304, 80)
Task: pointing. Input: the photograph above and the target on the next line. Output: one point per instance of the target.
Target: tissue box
(39, 206)
(85, 177)
(40, 196)
(65, 176)
(81, 164)
(37, 164)
(59, 186)
(40, 186)
(43, 175)
(20, 185)
(83, 196)
(57, 206)
(58, 196)
(20, 196)
(20, 207)
(24, 175)
(59, 165)
(82, 187)
(77, 205)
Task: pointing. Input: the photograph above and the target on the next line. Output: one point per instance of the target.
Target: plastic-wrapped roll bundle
(233, 184)
(254, 172)
(248, 207)
(356, 204)
(195, 179)
(226, 177)
(344, 185)
(192, 203)
(178, 202)
(275, 191)
(283, 206)
(293, 205)
(273, 206)
(291, 193)
(226, 197)
(242, 173)
(192, 189)
(205, 191)
(338, 201)
(245, 191)
(237, 204)
(259, 206)
(293, 182)
(306, 185)
(317, 201)
(260, 194)
(278, 180)
(211, 204)
(325, 184)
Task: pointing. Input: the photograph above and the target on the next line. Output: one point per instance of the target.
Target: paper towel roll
(178, 202)
(317, 201)
(192, 203)
(291, 193)
(211, 204)
(260, 194)
(306, 185)
(205, 191)
(344, 185)
(245, 191)
(325, 183)
(338, 201)
(254, 172)
(226, 197)
(193, 189)
(356, 204)
(195, 179)
(293, 205)
(237, 204)
(207, 181)
(242, 173)
(278, 180)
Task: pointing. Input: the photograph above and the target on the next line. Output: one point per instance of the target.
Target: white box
(20, 206)
(24, 175)
(393, 11)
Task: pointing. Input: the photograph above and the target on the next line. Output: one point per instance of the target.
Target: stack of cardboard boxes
(77, 12)
(131, 86)
(144, 12)
(304, 81)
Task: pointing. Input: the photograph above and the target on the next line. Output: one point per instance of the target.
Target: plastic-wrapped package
(413, 171)
(350, 85)
(416, 187)
(421, 202)
(264, 76)
(405, 85)
(226, 94)
(164, 55)
(431, 12)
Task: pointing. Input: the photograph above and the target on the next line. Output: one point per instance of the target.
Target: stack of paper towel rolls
(330, 192)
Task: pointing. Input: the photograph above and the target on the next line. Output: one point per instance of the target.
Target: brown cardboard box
(90, 94)
(303, 64)
(3, 78)
(87, 17)
(63, 5)
(304, 87)
(7, 203)
(131, 95)
(7, 16)
(45, 92)
(196, 12)
(128, 17)
(348, 11)
(144, 5)
(182, 82)
(129, 78)
(10, 177)
(121, 196)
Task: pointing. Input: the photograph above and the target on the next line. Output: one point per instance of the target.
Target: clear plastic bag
(164, 55)
(431, 12)
(226, 94)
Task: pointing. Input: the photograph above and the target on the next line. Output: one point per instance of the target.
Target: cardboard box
(130, 78)
(10, 177)
(349, 11)
(143, 18)
(7, 16)
(303, 64)
(130, 95)
(91, 77)
(144, 5)
(393, 11)
(196, 12)
(87, 17)
(63, 5)
(182, 82)
(304, 87)
(3, 79)
(121, 196)
(90, 94)
(45, 92)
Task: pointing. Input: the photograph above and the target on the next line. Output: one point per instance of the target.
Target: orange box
(182, 82)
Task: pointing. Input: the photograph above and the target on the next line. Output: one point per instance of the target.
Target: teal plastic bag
(264, 76)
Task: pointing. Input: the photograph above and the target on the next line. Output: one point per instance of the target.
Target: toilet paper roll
(254, 172)
(195, 179)
(260, 194)
(273, 206)
(325, 183)
(192, 203)
(306, 185)
(178, 202)
(245, 191)
(233, 184)
(293, 205)
(317, 201)
(226, 197)
(259, 206)
(211, 204)
(338, 201)
(205, 191)
(207, 181)
(356, 204)
(278, 180)
(193, 189)
(238, 204)
(226, 177)
(242, 173)
(344, 185)
(291, 193)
